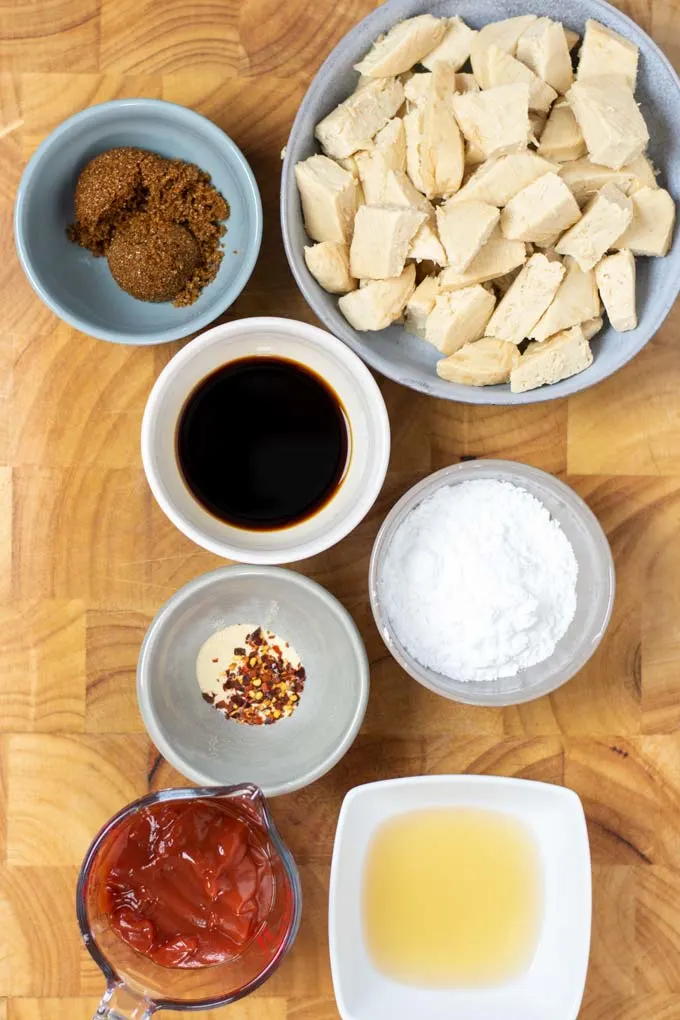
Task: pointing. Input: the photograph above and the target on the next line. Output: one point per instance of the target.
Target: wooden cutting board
(86, 557)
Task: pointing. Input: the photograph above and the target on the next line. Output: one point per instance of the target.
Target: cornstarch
(479, 581)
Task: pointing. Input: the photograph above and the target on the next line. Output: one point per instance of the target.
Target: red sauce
(187, 883)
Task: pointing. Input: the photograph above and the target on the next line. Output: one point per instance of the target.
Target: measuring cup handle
(121, 1003)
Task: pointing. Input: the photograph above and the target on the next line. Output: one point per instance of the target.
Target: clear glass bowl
(594, 589)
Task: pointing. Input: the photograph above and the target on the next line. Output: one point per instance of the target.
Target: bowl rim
(234, 155)
(484, 395)
(412, 498)
(380, 453)
(264, 572)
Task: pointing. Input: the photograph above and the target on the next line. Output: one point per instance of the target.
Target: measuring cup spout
(121, 1003)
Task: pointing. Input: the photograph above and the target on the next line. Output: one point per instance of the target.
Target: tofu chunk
(426, 246)
(576, 300)
(381, 241)
(455, 47)
(403, 46)
(464, 227)
(644, 173)
(543, 47)
(418, 87)
(651, 230)
(400, 190)
(498, 257)
(496, 67)
(604, 219)
(615, 275)
(571, 37)
(353, 124)
(606, 52)
(504, 34)
(540, 212)
(499, 179)
(458, 318)
(329, 197)
(435, 156)
(592, 326)
(584, 178)
(526, 301)
(611, 122)
(387, 153)
(473, 156)
(379, 302)
(486, 362)
(564, 355)
(496, 120)
(328, 262)
(466, 83)
(562, 139)
(419, 306)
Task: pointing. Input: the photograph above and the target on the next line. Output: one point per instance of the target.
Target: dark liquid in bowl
(263, 443)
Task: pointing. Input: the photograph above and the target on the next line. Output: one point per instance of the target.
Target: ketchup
(187, 883)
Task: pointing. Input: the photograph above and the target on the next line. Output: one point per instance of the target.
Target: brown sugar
(159, 221)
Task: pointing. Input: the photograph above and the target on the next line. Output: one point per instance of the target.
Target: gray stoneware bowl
(393, 351)
(196, 738)
(79, 287)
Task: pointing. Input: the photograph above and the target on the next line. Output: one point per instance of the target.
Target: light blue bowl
(393, 351)
(79, 287)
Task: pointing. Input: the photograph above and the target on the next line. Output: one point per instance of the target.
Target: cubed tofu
(499, 180)
(419, 306)
(329, 197)
(540, 212)
(606, 52)
(426, 246)
(403, 46)
(496, 67)
(486, 362)
(651, 229)
(613, 127)
(459, 317)
(381, 241)
(615, 275)
(455, 47)
(564, 355)
(562, 139)
(473, 157)
(504, 34)
(400, 190)
(435, 156)
(585, 178)
(464, 227)
(496, 120)
(497, 258)
(592, 326)
(378, 303)
(644, 172)
(576, 299)
(387, 153)
(543, 47)
(353, 124)
(526, 301)
(328, 262)
(418, 87)
(466, 83)
(604, 219)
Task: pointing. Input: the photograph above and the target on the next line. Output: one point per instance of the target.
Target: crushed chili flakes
(261, 684)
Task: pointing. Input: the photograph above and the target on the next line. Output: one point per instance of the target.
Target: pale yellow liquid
(452, 898)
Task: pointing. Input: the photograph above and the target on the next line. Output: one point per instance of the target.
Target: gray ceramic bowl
(595, 585)
(213, 751)
(79, 287)
(393, 351)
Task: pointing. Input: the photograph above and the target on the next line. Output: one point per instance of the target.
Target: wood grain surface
(86, 557)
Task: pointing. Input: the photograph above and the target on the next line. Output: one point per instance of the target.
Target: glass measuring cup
(136, 986)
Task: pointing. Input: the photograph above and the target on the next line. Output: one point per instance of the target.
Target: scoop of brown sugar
(159, 221)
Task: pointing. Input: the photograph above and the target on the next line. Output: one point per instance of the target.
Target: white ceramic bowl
(311, 347)
(595, 585)
(552, 987)
(213, 751)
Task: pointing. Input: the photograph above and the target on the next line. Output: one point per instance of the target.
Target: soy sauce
(263, 443)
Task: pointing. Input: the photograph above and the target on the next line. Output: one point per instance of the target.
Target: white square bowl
(553, 984)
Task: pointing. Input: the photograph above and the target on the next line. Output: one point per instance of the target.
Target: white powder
(479, 581)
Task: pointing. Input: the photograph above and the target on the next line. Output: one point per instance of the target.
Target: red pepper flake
(261, 684)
